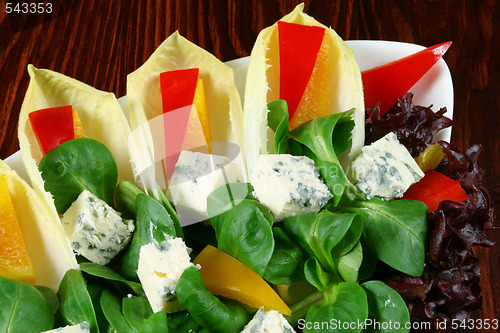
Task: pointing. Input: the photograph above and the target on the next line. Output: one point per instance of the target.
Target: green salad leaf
(286, 265)
(108, 274)
(277, 119)
(75, 302)
(319, 234)
(112, 309)
(347, 305)
(244, 232)
(78, 165)
(385, 306)
(23, 308)
(207, 309)
(394, 230)
(136, 311)
(153, 224)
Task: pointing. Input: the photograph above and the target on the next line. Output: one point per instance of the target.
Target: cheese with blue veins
(160, 267)
(95, 230)
(385, 169)
(197, 175)
(289, 185)
(268, 322)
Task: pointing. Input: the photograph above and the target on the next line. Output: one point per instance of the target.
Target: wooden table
(100, 42)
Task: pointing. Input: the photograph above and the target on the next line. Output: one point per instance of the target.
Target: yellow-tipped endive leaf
(262, 86)
(101, 116)
(144, 98)
(46, 242)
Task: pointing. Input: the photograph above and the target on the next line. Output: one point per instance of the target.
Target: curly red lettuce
(415, 126)
(449, 287)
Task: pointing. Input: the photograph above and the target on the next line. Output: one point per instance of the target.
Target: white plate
(434, 88)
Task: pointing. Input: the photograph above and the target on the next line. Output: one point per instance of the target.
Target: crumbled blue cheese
(385, 169)
(79, 328)
(160, 267)
(196, 175)
(289, 185)
(268, 322)
(95, 230)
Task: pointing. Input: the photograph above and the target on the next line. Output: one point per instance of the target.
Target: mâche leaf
(244, 232)
(23, 308)
(395, 230)
(77, 165)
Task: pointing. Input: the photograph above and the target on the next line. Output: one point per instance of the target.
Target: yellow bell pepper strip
(15, 262)
(385, 84)
(430, 158)
(435, 187)
(228, 277)
(53, 126)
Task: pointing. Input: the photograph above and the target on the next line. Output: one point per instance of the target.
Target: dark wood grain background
(100, 42)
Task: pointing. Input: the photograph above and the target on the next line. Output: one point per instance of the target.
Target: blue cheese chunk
(268, 322)
(289, 185)
(196, 175)
(95, 230)
(79, 328)
(160, 267)
(385, 169)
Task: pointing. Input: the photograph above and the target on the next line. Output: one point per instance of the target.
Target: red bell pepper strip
(298, 47)
(52, 126)
(385, 84)
(435, 187)
(177, 88)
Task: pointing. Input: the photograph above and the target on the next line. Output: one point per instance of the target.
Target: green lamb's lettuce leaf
(322, 139)
(277, 118)
(207, 309)
(385, 306)
(153, 224)
(318, 276)
(347, 304)
(396, 231)
(244, 232)
(108, 274)
(286, 265)
(23, 308)
(75, 302)
(326, 137)
(112, 308)
(136, 311)
(346, 91)
(78, 165)
(321, 233)
(349, 264)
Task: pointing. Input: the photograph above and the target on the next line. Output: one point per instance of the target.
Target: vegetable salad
(313, 210)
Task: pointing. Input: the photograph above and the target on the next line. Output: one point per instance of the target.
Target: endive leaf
(176, 52)
(146, 114)
(100, 113)
(42, 231)
(262, 86)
